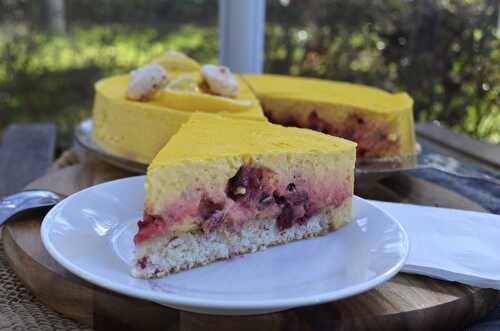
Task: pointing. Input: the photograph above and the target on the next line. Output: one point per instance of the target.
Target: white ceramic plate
(90, 233)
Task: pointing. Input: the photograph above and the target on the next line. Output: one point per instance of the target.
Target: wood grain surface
(406, 302)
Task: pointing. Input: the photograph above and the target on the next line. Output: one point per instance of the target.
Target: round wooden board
(406, 302)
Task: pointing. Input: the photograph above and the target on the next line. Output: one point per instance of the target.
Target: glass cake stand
(83, 136)
(372, 169)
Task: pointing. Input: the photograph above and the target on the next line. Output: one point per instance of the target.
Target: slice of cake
(222, 187)
(381, 123)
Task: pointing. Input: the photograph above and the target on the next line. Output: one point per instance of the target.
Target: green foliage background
(446, 54)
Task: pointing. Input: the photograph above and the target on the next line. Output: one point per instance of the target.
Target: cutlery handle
(453, 167)
(26, 201)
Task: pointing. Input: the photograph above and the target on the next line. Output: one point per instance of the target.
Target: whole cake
(222, 187)
(135, 115)
(136, 124)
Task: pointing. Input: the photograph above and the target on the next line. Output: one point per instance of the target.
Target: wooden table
(35, 144)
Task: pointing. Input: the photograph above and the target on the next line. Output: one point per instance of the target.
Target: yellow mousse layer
(208, 150)
(321, 105)
(138, 130)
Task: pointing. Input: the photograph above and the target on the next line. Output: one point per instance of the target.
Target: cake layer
(138, 130)
(380, 123)
(172, 253)
(213, 196)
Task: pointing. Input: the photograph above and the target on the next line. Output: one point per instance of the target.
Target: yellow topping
(211, 136)
(339, 93)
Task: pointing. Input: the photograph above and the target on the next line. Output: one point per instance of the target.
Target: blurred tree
(446, 54)
(46, 76)
(56, 17)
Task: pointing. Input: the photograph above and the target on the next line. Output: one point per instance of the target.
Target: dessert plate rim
(201, 305)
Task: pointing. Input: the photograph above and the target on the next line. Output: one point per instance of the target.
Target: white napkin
(450, 244)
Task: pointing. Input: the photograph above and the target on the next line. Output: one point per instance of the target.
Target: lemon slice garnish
(186, 92)
(173, 61)
(188, 82)
(189, 100)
